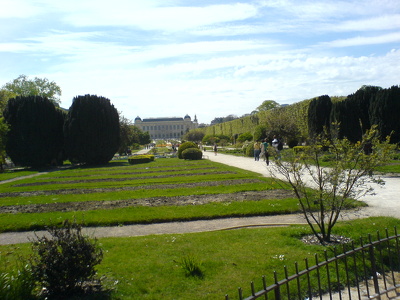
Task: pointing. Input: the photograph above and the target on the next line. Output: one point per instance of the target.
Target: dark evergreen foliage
(361, 100)
(319, 115)
(345, 113)
(384, 112)
(35, 138)
(91, 130)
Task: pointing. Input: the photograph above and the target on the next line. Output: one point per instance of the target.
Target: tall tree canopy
(22, 86)
(267, 105)
(35, 136)
(91, 130)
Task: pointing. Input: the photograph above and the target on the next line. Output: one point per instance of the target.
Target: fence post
(374, 270)
(277, 288)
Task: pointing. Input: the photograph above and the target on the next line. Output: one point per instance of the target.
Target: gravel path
(384, 203)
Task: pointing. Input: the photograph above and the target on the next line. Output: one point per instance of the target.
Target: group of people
(261, 149)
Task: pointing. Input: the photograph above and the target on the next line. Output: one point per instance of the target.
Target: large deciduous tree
(323, 192)
(267, 105)
(194, 135)
(91, 130)
(35, 136)
(23, 86)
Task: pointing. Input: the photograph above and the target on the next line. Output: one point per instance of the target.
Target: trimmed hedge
(192, 154)
(140, 159)
(185, 146)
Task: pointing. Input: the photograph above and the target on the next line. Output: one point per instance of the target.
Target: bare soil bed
(156, 201)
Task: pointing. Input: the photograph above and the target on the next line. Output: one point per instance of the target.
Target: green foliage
(249, 150)
(140, 159)
(3, 135)
(22, 86)
(282, 124)
(191, 266)
(247, 136)
(319, 115)
(192, 154)
(185, 146)
(350, 170)
(194, 135)
(35, 137)
(91, 130)
(268, 105)
(64, 263)
(19, 284)
(384, 112)
(260, 132)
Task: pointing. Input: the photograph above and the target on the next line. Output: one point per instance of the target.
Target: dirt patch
(155, 201)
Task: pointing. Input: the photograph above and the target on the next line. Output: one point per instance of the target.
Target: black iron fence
(368, 271)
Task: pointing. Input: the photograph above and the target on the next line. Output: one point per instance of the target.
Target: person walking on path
(257, 150)
(264, 150)
(215, 149)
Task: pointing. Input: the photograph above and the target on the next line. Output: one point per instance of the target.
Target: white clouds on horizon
(231, 55)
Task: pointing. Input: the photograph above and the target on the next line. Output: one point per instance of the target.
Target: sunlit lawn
(150, 267)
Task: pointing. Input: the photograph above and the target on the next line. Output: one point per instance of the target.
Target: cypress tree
(91, 130)
(35, 138)
(384, 112)
(319, 112)
(347, 115)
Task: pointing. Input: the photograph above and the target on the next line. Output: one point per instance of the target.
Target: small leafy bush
(185, 146)
(140, 159)
(249, 150)
(247, 136)
(64, 263)
(192, 154)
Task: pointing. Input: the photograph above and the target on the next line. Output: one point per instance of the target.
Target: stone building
(167, 128)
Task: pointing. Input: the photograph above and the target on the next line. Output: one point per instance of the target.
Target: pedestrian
(264, 149)
(215, 149)
(275, 142)
(257, 150)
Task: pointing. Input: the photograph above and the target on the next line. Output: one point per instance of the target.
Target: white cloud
(165, 18)
(365, 40)
(384, 22)
(19, 9)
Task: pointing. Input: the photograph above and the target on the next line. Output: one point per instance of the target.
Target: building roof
(161, 119)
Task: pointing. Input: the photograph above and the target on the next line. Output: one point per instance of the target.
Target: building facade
(167, 128)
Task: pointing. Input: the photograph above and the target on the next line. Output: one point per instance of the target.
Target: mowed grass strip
(147, 215)
(221, 172)
(149, 267)
(236, 180)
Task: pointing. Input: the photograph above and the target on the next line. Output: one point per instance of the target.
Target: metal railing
(369, 271)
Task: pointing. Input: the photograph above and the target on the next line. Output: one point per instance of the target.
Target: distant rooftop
(162, 119)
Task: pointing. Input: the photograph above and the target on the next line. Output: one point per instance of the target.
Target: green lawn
(121, 181)
(150, 267)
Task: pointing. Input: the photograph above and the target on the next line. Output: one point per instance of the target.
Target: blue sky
(167, 58)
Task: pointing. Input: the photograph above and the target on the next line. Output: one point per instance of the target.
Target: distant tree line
(370, 105)
(302, 121)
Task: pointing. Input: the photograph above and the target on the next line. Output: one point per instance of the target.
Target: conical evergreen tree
(35, 138)
(91, 130)
(319, 112)
(384, 112)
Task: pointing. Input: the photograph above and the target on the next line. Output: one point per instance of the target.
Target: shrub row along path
(385, 202)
